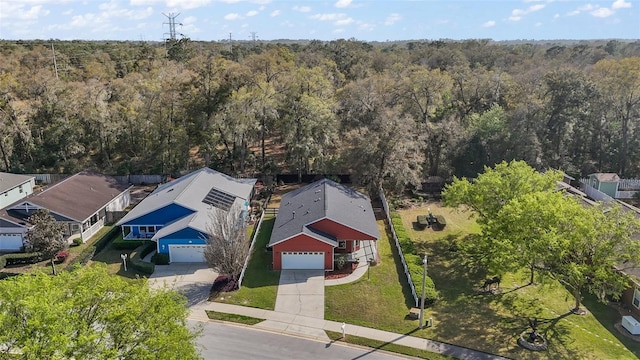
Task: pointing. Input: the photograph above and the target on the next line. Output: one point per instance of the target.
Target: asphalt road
(222, 341)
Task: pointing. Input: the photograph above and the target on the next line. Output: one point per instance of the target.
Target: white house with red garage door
(318, 222)
(176, 215)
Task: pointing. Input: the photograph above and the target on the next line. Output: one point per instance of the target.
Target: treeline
(387, 113)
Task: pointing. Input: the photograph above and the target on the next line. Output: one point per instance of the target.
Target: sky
(365, 20)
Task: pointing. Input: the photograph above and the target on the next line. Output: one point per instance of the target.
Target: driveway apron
(301, 292)
(193, 280)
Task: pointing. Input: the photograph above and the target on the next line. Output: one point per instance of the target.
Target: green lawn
(46, 264)
(241, 319)
(465, 316)
(260, 284)
(111, 258)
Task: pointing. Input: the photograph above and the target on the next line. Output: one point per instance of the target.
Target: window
(342, 244)
(20, 188)
(143, 229)
(636, 298)
(356, 243)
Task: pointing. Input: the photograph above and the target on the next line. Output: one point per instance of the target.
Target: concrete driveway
(301, 292)
(194, 280)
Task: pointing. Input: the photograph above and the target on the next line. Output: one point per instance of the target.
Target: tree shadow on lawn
(481, 320)
(607, 316)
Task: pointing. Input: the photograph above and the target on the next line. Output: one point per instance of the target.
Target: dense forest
(388, 113)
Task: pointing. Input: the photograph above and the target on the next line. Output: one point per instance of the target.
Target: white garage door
(10, 242)
(302, 260)
(186, 253)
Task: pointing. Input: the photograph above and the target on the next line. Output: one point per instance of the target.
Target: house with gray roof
(14, 187)
(318, 222)
(80, 203)
(176, 215)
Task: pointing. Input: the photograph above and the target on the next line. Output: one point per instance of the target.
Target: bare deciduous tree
(227, 244)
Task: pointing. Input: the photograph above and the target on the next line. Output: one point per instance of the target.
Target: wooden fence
(387, 213)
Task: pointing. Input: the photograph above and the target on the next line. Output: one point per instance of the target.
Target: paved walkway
(309, 327)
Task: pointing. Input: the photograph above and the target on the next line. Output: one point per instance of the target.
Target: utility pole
(230, 45)
(55, 65)
(172, 24)
(254, 36)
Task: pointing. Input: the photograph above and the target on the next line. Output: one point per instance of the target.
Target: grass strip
(381, 345)
(247, 320)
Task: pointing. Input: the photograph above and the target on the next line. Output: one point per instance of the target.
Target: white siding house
(14, 187)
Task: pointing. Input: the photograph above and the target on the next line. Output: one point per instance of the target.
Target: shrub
(138, 264)
(121, 244)
(341, 261)
(61, 256)
(413, 261)
(149, 247)
(106, 239)
(219, 283)
(77, 241)
(22, 258)
(160, 259)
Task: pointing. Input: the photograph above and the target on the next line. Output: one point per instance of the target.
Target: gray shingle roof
(189, 191)
(9, 181)
(323, 199)
(76, 197)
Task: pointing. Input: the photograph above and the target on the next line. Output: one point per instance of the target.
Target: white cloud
(252, 13)
(489, 23)
(275, 13)
(556, 16)
(620, 4)
(366, 26)
(517, 14)
(187, 4)
(233, 16)
(392, 19)
(17, 11)
(602, 12)
(328, 17)
(342, 3)
(338, 19)
(189, 20)
(342, 22)
(538, 24)
(302, 8)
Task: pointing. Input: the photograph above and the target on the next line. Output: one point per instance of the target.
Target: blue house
(177, 214)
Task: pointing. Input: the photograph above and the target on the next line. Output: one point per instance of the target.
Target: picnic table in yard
(423, 221)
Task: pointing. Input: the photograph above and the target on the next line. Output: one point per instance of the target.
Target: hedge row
(120, 244)
(413, 260)
(19, 258)
(136, 256)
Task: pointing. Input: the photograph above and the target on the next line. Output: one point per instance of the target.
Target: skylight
(219, 199)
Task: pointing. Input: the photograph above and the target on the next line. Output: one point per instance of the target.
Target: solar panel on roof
(219, 199)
